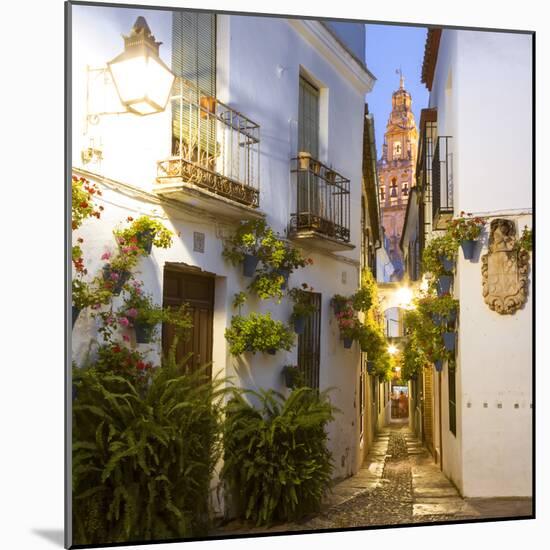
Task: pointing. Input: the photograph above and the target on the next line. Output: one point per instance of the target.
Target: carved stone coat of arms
(504, 269)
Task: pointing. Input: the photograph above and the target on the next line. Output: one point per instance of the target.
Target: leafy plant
(267, 284)
(442, 246)
(295, 375)
(143, 455)
(86, 294)
(239, 300)
(281, 255)
(258, 333)
(525, 241)
(302, 305)
(466, 227)
(142, 228)
(249, 238)
(364, 298)
(276, 463)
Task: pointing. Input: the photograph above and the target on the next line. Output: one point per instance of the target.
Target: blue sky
(388, 48)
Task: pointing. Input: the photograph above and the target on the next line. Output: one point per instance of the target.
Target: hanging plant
(293, 377)
(302, 306)
(83, 206)
(145, 316)
(246, 246)
(466, 230)
(267, 284)
(439, 255)
(144, 232)
(258, 332)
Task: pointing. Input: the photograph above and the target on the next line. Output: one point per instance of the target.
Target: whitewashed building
(280, 86)
(475, 156)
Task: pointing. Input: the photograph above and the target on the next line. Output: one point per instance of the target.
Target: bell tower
(396, 170)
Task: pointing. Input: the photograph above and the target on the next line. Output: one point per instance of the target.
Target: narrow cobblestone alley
(399, 483)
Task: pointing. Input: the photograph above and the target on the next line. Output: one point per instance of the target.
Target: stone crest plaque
(504, 269)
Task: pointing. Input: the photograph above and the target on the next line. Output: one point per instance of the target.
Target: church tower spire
(396, 170)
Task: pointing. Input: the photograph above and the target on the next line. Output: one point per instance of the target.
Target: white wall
(251, 51)
(482, 90)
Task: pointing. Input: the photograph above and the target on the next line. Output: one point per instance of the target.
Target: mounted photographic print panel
(300, 275)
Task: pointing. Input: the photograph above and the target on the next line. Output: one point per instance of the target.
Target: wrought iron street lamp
(142, 80)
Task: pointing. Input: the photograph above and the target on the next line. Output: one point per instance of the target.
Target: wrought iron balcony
(322, 205)
(216, 151)
(442, 183)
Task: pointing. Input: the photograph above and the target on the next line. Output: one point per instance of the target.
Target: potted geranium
(145, 232)
(144, 315)
(117, 270)
(466, 230)
(348, 324)
(302, 307)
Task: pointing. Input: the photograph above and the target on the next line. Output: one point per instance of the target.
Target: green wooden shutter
(194, 59)
(308, 119)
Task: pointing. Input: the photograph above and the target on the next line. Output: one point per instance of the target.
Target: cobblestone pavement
(397, 484)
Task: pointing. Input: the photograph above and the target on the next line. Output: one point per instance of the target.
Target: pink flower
(123, 321)
(115, 276)
(96, 306)
(126, 338)
(106, 256)
(132, 312)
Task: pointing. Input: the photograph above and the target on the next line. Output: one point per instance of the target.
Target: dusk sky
(390, 47)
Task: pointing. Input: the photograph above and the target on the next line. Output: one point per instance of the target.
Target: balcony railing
(442, 182)
(215, 148)
(322, 201)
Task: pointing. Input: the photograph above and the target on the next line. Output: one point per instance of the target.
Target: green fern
(276, 463)
(143, 460)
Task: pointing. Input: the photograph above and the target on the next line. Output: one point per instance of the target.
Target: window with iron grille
(309, 344)
(452, 401)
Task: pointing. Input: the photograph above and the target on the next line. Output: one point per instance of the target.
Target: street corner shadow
(57, 536)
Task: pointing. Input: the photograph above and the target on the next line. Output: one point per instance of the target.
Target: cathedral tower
(396, 171)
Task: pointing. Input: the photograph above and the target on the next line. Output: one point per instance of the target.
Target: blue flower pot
(271, 351)
(444, 284)
(145, 240)
(123, 277)
(348, 343)
(438, 364)
(449, 340)
(447, 263)
(437, 319)
(299, 325)
(76, 313)
(250, 263)
(285, 273)
(468, 248)
(370, 367)
(144, 332)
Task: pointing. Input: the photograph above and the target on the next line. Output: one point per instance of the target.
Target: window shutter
(194, 59)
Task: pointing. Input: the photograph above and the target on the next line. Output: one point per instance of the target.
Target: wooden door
(197, 291)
